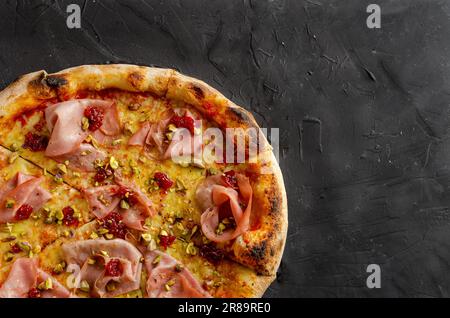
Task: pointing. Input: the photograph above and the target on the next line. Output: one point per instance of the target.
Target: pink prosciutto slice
(106, 199)
(64, 121)
(96, 273)
(21, 189)
(183, 144)
(167, 278)
(212, 194)
(26, 275)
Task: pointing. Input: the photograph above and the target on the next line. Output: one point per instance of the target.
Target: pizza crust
(168, 83)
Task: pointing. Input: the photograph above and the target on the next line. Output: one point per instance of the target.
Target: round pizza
(131, 181)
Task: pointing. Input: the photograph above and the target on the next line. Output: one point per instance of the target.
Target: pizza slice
(34, 211)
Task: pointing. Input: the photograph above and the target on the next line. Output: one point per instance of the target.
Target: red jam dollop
(24, 212)
(95, 116)
(183, 122)
(114, 268)
(35, 142)
(113, 222)
(163, 180)
(69, 219)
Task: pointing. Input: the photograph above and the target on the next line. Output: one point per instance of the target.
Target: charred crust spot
(136, 79)
(55, 81)
(258, 252)
(198, 92)
(241, 116)
(39, 87)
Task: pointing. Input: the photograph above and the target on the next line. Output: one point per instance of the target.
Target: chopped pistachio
(152, 245)
(156, 260)
(46, 285)
(163, 233)
(59, 268)
(76, 174)
(111, 286)
(58, 179)
(179, 267)
(84, 123)
(124, 204)
(146, 237)
(102, 199)
(93, 236)
(104, 253)
(24, 246)
(220, 228)
(102, 231)
(171, 282)
(179, 226)
(91, 261)
(84, 286)
(194, 229)
(14, 147)
(62, 168)
(37, 249)
(109, 236)
(191, 249)
(172, 127)
(59, 215)
(10, 203)
(136, 171)
(116, 142)
(113, 163)
(8, 256)
(94, 142)
(179, 185)
(169, 136)
(44, 172)
(13, 157)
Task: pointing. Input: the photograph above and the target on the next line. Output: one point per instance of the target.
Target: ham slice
(103, 200)
(181, 146)
(21, 189)
(67, 135)
(82, 158)
(166, 280)
(212, 194)
(25, 275)
(151, 135)
(79, 253)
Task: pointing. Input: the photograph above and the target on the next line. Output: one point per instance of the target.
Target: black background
(369, 184)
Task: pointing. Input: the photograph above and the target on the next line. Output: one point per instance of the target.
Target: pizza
(132, 181)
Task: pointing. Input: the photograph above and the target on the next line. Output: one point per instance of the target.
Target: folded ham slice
(167, 278)
(212, 194)
(64, 121)
(181, 146)
(82, 158)
(97, 275)
(106, 199)
(21, 189)
(26, 275)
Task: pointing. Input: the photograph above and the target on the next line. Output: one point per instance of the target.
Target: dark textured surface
(377, 192)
